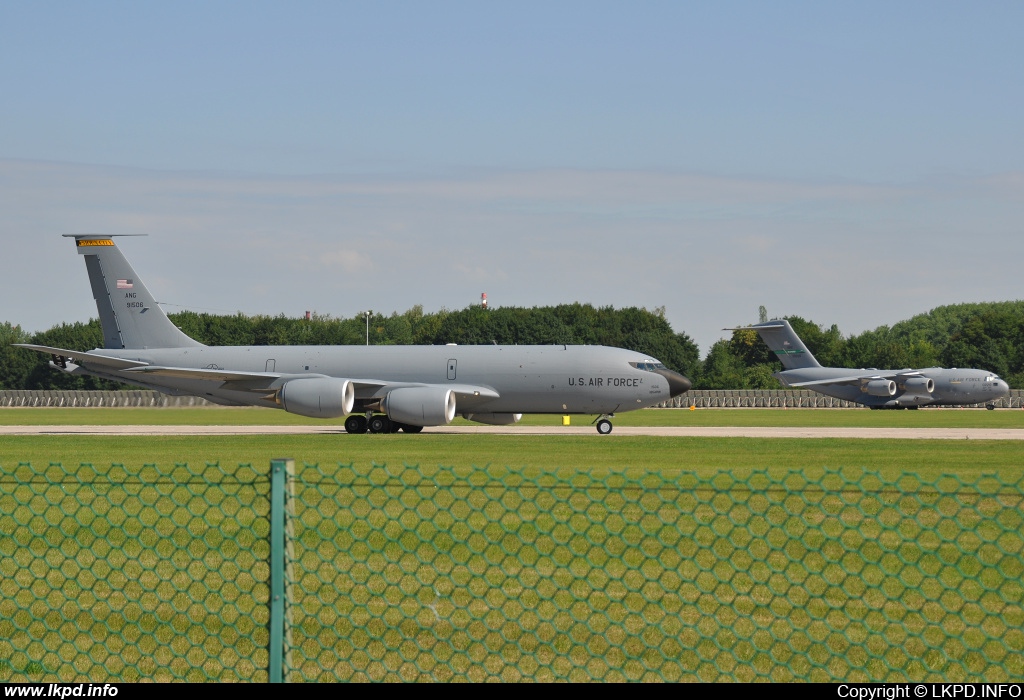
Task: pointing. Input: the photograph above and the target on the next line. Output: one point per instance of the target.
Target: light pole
(367, 314)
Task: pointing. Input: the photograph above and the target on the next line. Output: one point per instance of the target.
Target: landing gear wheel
(990, 406)
(395, 427)
(412, 428)
(379, 424)
(604, 427)
(355, 424)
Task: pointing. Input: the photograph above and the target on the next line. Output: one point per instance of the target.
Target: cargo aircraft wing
(858, 378)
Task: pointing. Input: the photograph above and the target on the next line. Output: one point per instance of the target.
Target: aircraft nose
(677, 383)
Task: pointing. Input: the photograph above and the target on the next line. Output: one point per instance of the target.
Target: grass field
(521, 556)
(702, 455)
(926, 458)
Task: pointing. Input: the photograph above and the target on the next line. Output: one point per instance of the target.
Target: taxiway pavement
(732, 432)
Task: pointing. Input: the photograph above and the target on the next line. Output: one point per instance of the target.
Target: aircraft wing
(471, 390)
(858, 378)
(381, 387)
(261, 381)
(88, 357)
(213, 375)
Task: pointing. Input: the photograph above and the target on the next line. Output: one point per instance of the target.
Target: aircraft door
(451, 369)
(271, 364)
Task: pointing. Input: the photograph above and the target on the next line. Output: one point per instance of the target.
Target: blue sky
(854, 164)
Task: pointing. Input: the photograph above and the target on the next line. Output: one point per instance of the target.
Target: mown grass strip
(654, 454)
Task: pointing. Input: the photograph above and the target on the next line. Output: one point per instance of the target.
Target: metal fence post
(280, 471)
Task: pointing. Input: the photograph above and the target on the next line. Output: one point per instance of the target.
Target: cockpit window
(649, 366)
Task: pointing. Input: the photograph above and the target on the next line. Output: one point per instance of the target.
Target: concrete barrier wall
(791, 398)
(767, 398)
(81, 399)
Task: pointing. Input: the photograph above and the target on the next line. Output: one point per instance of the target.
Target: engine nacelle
(318, 397)
(494, 418)
(879, 387)
(420, 405)
(919, 385)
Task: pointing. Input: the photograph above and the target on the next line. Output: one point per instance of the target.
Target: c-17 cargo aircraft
(379, 388)
(902, 388)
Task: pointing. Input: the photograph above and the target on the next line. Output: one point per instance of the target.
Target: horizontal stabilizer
(754, 328)
(87, 358)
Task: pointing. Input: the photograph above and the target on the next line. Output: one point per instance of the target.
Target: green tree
(722, 369)
(760, 377)
(15, 363)
(398, 330)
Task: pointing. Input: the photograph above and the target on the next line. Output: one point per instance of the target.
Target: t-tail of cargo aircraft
(380, 389)
(782, 340)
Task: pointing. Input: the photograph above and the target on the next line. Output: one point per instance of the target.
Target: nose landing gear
(604, 426)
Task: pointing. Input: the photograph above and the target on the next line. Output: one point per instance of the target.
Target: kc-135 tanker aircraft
(380, 388)
(901, 388)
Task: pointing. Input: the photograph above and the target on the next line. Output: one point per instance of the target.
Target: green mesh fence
(111, 575)
(440, 574)
(415, 573)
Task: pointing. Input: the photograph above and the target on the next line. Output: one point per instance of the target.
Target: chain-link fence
(115, 574)
(339, 572)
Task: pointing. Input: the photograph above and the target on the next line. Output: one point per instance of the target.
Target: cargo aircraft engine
(318, 397)
(494, 418)
(919, 385)
(879, 387)
(420, 405)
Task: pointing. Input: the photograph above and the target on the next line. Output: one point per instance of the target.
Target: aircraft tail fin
(780, 337)
(129, 315)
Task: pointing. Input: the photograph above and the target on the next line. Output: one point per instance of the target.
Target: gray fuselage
(529, 379)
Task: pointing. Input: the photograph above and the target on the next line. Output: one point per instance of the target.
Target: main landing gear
(355, 424)
(377, 423)
(604, 426)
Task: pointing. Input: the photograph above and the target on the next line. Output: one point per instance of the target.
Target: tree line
(986, 336)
